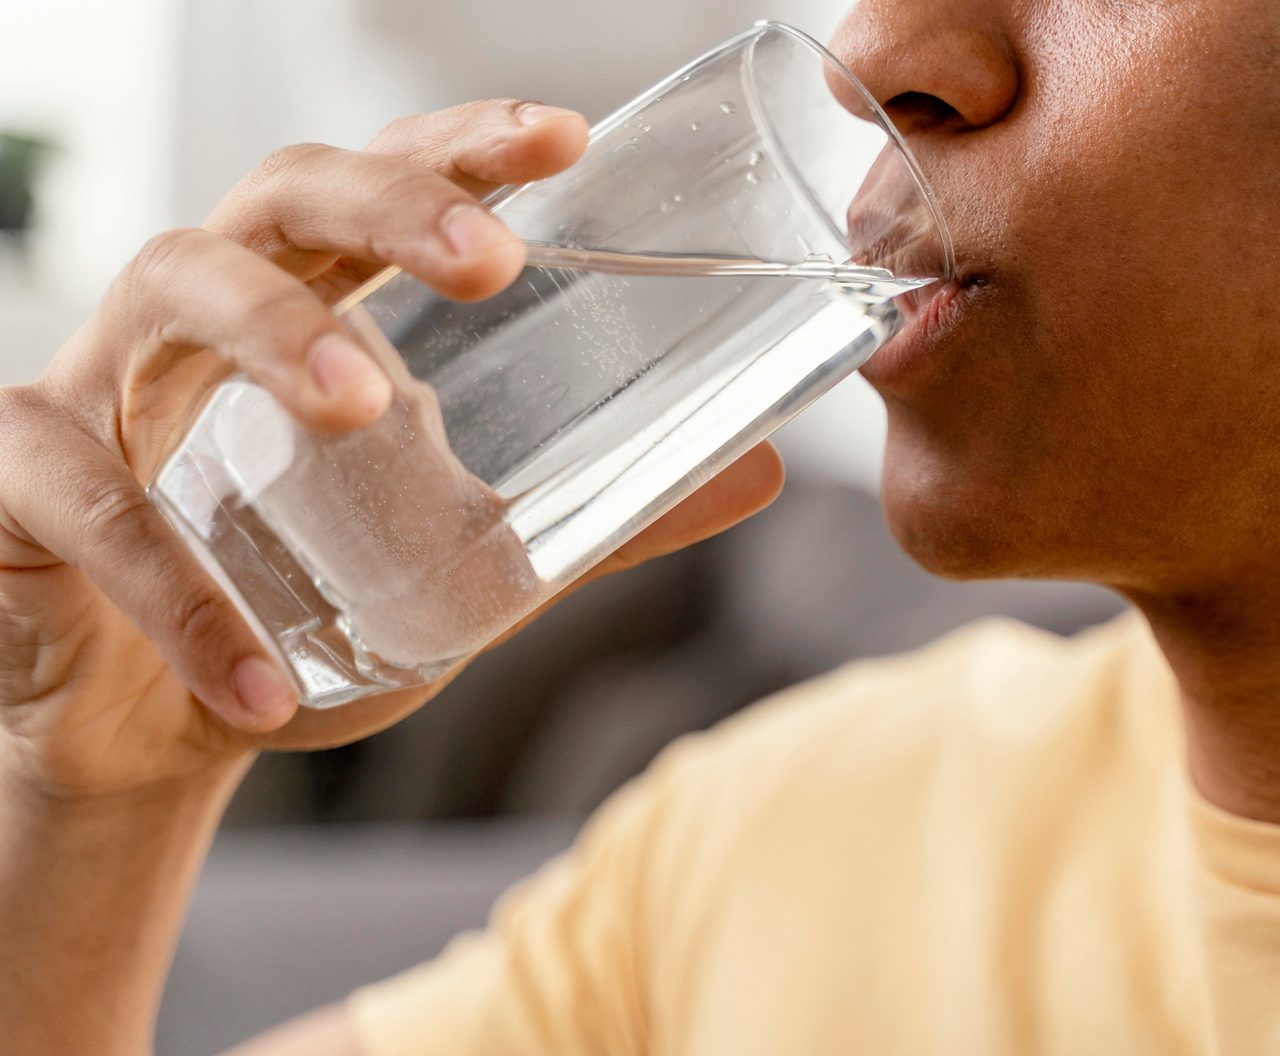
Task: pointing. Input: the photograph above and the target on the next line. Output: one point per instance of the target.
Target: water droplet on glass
(753, 177)
(728, 107)
(694, 126)
(754, 158)
(645, 127)
(665, 207)
(677, 198)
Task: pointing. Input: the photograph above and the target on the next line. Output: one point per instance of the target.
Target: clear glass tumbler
(729, 247)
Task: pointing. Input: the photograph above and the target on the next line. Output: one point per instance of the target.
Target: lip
(930, 316)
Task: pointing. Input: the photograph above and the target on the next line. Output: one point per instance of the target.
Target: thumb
(83, 505)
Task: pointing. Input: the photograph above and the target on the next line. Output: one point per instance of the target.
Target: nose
(931, 64)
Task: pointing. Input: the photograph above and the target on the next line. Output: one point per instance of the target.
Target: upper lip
(934, 305)
(894, 242)
(929, 315)
(890, 221)
(913, 302)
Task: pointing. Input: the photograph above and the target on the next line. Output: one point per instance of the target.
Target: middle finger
(311, 204)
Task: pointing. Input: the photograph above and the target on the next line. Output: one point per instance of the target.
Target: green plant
(20, 158)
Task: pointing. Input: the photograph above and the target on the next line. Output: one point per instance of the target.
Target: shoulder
(997, 676)
(990, 710)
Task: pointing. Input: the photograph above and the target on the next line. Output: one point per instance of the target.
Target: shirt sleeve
(560, 969)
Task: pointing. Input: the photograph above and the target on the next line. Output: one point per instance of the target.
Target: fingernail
(341, 368)
(260, 688)
(470, 228)
(534, 113)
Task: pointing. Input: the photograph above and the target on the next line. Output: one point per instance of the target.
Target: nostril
(911, 111)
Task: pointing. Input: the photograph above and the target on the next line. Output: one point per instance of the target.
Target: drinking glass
(728, 248)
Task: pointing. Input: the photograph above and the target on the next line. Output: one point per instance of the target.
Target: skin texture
(188, 306)
(1098, 402)
(1105, 404)
(132, 696)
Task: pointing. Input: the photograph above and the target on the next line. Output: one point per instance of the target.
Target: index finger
(481, 146)
(477, 147)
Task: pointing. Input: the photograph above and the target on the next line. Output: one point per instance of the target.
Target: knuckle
(413, 191)
(113, 512)
(481, 149)
(508, 106)
(430, 138)
(197, 618)
(402, 132)
(285, 163)
(280, 310)
(488, 120)
(503, 106)
(158, 256)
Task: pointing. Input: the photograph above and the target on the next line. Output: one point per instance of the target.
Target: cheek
(1143, 165)
(1112, 397)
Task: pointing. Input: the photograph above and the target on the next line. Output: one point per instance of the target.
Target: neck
(1224, 649)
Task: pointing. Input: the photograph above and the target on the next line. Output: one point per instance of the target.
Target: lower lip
(928, 319)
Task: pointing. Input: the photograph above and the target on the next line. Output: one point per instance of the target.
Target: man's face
(1102, 399)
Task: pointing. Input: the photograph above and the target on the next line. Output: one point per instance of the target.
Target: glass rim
(882, 119)
(758, 29)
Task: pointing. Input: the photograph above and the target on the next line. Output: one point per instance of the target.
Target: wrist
(36, 778)
(30, 802)
(93, 888)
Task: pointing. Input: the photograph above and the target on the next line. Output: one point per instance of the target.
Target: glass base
(272, 589)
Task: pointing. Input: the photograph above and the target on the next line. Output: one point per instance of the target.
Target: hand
(122, 665)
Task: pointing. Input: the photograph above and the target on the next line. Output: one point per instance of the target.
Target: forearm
(92, 896)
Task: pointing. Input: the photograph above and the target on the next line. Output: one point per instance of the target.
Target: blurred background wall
(136, 115)
(153, 109)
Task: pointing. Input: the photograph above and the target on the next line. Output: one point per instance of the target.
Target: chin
(962, 525)
(944, 540)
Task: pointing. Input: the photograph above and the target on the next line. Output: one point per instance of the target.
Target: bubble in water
(554, 395)
(754, 158)
(694, 126)
(753, 177)
(728, 107)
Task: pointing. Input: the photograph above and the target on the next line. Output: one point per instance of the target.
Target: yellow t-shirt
(986, 847)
